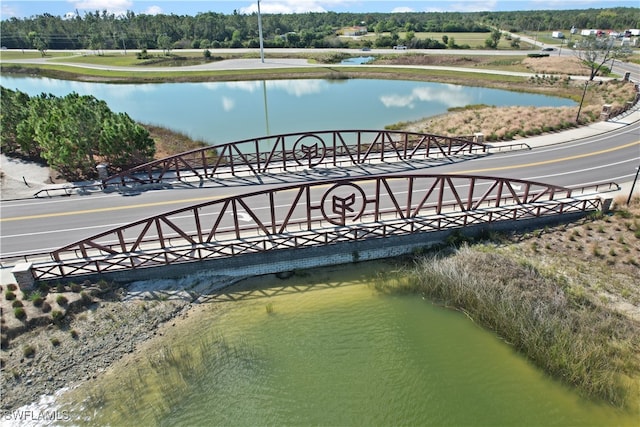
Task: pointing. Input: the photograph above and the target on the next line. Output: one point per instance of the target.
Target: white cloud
(296, 88)
(247, 86)
(116, 7)
(450, 96)
(403, 9)
(7, 11)
(153, 10)
(228, 104)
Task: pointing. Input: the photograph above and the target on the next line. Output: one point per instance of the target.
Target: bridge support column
(24, 275)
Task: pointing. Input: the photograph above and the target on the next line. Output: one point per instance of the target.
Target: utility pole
(260, 34)
(633, 185)
(582, 100)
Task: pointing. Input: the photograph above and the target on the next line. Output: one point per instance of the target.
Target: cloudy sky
(27, 8)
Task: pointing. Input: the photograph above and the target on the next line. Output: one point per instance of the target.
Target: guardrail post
(23, 274)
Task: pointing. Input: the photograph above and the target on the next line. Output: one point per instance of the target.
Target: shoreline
(92, 348)
(87, 342)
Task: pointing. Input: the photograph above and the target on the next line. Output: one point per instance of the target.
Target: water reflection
(448, 95)
(224, 112)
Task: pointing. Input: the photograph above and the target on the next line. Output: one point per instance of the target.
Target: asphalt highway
(42, 225)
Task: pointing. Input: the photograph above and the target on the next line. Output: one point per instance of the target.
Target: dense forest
(101, 30)
(72, 134)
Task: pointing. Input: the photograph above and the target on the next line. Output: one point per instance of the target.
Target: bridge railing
(294, 151)
(312, 214)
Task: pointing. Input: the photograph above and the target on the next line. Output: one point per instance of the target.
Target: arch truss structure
(296, 151)
(312, 214)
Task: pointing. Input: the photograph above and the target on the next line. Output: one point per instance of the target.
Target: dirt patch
(556, 65)
(78, 331)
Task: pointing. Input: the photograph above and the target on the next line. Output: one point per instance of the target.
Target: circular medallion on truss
(309, 150)
(343, 203)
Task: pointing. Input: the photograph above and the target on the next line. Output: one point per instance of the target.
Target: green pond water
(335, 353)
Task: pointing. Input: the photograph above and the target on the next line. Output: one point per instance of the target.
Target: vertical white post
(260, 34)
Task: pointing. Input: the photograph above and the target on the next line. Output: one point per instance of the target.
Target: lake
(337, 352)
(225, 112)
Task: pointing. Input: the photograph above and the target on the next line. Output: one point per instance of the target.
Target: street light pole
(633, 185)
(260, 34)
(582, 100)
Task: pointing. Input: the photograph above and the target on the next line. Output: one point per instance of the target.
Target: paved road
(270, 63)
(46, 224)
(41, 225)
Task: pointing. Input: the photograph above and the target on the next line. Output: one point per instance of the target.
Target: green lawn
(13, 54)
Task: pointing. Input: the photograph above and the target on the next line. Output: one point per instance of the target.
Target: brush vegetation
(572, 313)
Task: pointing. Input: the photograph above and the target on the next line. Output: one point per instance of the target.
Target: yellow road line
(547, 162)
(200, 199)
(115, 208)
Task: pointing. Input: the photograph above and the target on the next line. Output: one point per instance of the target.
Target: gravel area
(43, 356)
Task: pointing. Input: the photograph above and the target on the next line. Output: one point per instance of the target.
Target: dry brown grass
(567, 297)
(556, 65)
(169, 142)
(598, 256)
(507, 123)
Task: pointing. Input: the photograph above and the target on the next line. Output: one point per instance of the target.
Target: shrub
(75, 287)
(19, 313)
(35, 294)
(29, 351)
(74, 334)
(62, 300)
(55, 341)
(60, 287)
(57, 315)
(12, 286)
(86, 298)
(17, 303)
(46, 307)
(10, 296)
(38, 301)
(143, 54)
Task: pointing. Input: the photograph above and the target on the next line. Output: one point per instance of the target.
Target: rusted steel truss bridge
(295, 151)
(314, 214)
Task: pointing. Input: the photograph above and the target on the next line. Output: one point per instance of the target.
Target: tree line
(72, 134)
(102, 30)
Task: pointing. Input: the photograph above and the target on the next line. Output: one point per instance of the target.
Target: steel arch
(293, 151)
(312, 214)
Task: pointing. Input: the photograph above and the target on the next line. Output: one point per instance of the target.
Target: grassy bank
(169, 142)
(567, 298)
